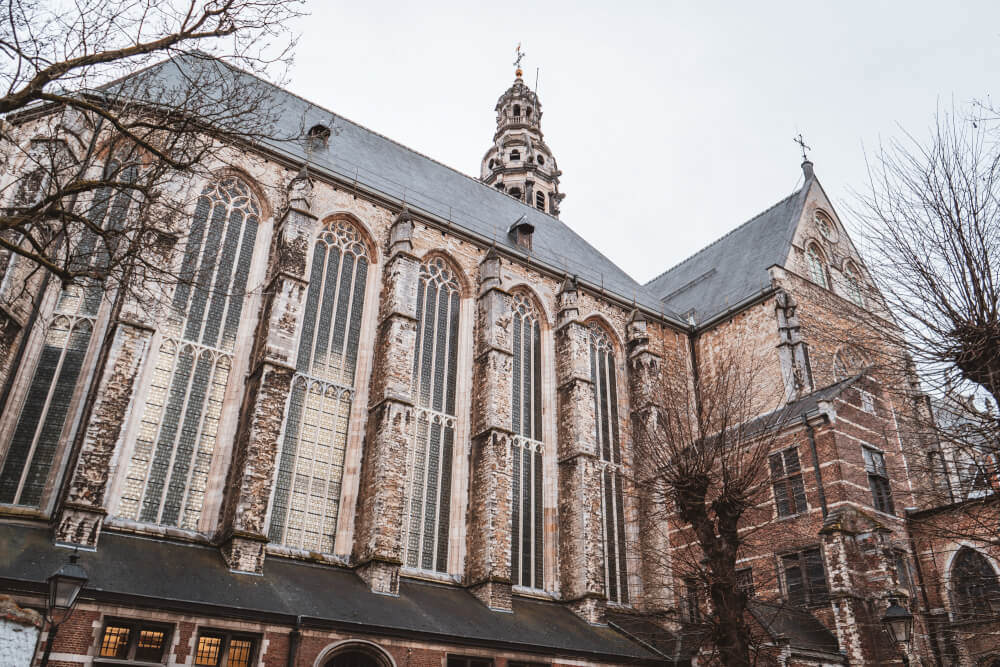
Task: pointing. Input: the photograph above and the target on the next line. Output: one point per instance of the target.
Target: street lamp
(898, 625)
(65, 585)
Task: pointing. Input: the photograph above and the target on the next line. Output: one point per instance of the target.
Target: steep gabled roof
(800, 628)
(733, 268)
(361, 156)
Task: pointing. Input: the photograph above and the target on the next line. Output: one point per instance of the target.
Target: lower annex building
(401, 433)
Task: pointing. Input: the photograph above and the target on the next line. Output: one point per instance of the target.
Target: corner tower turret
(519, 162)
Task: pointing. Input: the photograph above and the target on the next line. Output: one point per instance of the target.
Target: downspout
(815, 456)
(932, 629)
(294, 638)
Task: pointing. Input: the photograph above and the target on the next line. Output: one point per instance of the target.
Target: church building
(393, 424)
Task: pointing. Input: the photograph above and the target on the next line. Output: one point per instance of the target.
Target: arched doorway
(354, 653)
(353, 658)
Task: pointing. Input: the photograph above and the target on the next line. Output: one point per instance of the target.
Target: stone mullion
(82, 513)
(581, 554)
(272, 368)
(488, 563)
(378, 544)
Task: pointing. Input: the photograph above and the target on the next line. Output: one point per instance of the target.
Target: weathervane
(802, 144)
(517, 60)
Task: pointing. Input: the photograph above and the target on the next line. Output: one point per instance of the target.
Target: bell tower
(519, 162)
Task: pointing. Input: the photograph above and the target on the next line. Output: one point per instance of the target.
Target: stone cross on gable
(802, 145)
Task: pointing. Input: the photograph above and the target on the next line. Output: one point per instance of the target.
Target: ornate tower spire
(519, 162)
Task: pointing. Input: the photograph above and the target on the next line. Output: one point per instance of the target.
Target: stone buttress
(272, 367)
(581, 560)
(378, 546)
(488, 563)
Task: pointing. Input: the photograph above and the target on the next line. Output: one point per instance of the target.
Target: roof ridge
(374, 132)
(724, 236)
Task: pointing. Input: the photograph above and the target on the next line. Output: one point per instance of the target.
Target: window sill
(98, 662)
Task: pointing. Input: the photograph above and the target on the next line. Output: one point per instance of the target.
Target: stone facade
(455, 484)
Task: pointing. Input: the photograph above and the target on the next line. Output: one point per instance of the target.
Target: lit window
(605, 381)
(222, 649)
(463, 661)
(176, 440)
(427, 508)
(804, 577)
(817, 266)
(311, 464)
(526, 411)
(128, 640)
(878, 480)
(786, 480)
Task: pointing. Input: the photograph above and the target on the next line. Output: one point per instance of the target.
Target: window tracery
(854, 285)
(603, 376)
(311, 464)
(817, 265)
(167, 473)
(427, 508)
(527, 446)
(43, 415)
(974, 583)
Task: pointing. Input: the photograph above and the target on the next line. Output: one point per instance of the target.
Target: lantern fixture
(898, 623)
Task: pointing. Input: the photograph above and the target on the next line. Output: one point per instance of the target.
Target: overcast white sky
(672, 122)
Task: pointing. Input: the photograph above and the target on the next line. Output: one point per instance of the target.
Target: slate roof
(176, 576)
(734, 267)
(798, 626)
(356, 153)
(793, 410)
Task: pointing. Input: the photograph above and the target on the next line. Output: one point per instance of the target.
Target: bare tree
(114, 106)
(704, 473)
(929, 321)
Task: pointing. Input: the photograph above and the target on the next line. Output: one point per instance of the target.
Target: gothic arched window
(427, 509)
(526, 412)
(603, 376)
(973, 584)
(38, 432)
(168, 471)
(817, 265)
(311, 464)
(852, 278)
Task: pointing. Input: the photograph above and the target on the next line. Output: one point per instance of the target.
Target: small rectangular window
(224, 649)
(903, 572)
(878, 480)
(786, 479)
(134, 641)
(867, 402)
(804, 577)
(744, 581)
(465, 661)
(692, 603)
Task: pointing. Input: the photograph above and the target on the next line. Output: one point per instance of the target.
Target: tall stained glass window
(168, 470)
(311, 464)
(526, 410)
(427, 508)
(602, 374)
(46, 406)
